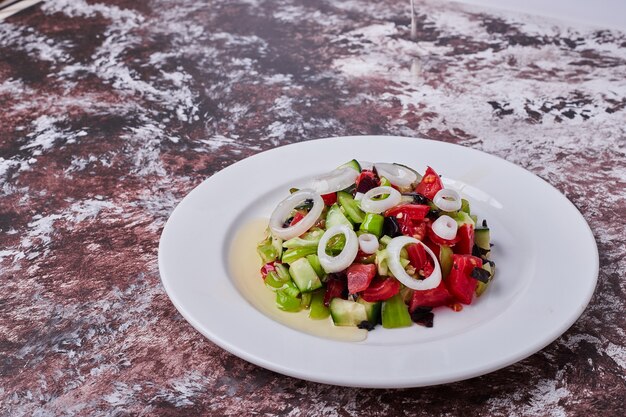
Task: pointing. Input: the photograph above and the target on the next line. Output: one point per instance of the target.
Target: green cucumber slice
(351, 207)
(482, 286)
(317, 266)
(347, 313)
(482, 239)
(445, 260)
(371, 309)
(335, 216)
(304, 275)
(354, 164)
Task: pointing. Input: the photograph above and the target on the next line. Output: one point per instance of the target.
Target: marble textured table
(112, 111)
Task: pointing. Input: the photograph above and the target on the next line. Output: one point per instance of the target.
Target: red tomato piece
(360, 276)
(430, 184)
(366, 181)
(381, 289)
(412, 211)
(460, 283)
(413, 228)
(417, 255)
(465, 235)
(329, 199)
(433, 247)
(334, 289)
(296, 218)
(439, 296)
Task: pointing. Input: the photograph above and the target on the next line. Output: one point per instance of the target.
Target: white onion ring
(368, 243)
(396, 174)
(378, 206)
(284, 209)
(348, 254)
(445, 227)
(393, 249)
(336, 180)
(358, 196)
(447, 200)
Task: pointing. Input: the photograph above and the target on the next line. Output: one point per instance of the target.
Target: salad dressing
(244, 266)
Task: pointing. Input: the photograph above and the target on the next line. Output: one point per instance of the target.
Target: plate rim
(400, 382)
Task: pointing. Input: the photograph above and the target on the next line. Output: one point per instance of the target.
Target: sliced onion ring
(378, 206)
(396, 174)
(394, 247)
(368, 243)
(448, 200)
(284, 209)
(445, 227)
(336, 180)
(348, 254)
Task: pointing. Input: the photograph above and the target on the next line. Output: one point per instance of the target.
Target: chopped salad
(371, 244)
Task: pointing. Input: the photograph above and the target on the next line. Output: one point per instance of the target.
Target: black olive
(391, 227)
(367, 325)
(417, 198)
(480, 275)
(423, 316)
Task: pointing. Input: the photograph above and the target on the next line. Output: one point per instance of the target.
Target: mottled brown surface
(113, 111)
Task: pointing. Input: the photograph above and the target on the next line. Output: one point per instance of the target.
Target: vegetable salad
(371, 244)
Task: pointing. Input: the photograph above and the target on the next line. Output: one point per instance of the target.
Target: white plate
(546, 256)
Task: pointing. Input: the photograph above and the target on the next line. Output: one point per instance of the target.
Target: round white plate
(546, 256)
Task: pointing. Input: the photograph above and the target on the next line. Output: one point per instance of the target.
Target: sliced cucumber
(347, 313)
(445, 260)
(354, 164)
(304, 275)
(351, 207)
(417, 174)
(305, 301)
(482, 286)
(482, 239)
(317, 266)
(462, 218)
(335, 216)
(395, 313)
(371, 309)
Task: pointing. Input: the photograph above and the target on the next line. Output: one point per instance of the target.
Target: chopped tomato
(412, 211)
(366, 181)
(430, 184)
(460, 282)
(418, 258)
(465, 235)
(296, 218)
(433, 246)
(360, 276)
(334, 289)
(413, 228)
(439, 296)
(267, 268)
(381, 289)
(439, 241)
(329, 199)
